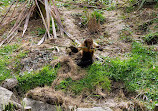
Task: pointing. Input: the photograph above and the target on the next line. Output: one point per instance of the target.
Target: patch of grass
(39, 78)
(94, 78)
(9, 62)
(139, 72)
(5, 57)
(129, 9)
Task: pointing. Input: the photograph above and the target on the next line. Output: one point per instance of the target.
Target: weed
(15, 61)
(41, 31)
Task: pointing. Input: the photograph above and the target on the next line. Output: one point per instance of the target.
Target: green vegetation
(5, 57)
(139, 73)
(8, 59)
(41, 31)
(9, 107)
(97, 14)
(93, 79)
(28, 80)
(39, 78)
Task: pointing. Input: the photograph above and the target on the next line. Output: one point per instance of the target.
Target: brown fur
(87, 52)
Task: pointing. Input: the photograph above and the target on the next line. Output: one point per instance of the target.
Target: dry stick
(14, 17)
(53, 27)
(8, 22)
(42, 40)
(18, 19)
(12, 12)
(27, 20)
(13, 37)
(16, 25)
(7, 12)
(58, 17)
(47, 14)
(44, 22)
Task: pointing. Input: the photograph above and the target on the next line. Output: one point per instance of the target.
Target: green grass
(88, 83)
(29, 80)
(139, 72)
(5, 57)
(36, 78)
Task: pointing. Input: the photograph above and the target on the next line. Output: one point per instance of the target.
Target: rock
(95, 109)
(7, 97)
(34, 105)
(9, 83)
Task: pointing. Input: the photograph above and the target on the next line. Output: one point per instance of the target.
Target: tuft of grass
(97, 14)
(39, 78)
(92, 20)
